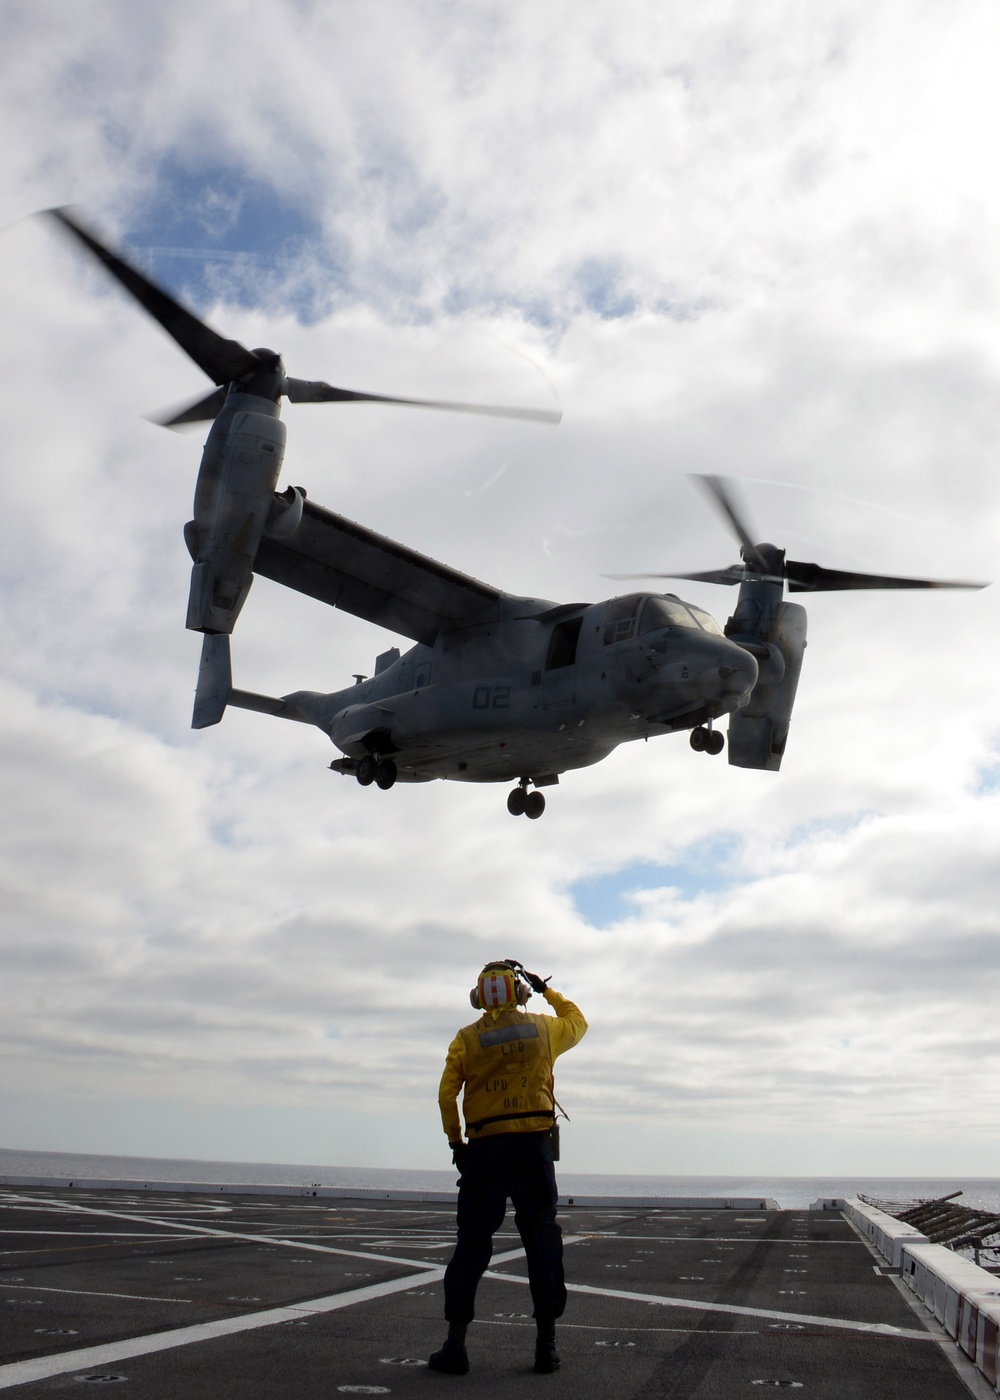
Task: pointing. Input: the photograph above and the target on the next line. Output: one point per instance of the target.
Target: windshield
(707, 621)
(664, 612)
(671, 612)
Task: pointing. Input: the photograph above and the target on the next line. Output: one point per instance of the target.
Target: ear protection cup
(522, 991)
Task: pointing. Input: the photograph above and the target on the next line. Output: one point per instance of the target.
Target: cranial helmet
(499, 988)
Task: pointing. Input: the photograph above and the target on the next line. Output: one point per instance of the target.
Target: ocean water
(791, 1192)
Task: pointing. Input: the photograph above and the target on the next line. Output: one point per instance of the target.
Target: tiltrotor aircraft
(498, 688)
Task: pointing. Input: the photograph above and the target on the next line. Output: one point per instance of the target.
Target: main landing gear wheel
(522, 803)
(707, 740)
(385, 773)
(366, 770)
(534, 805)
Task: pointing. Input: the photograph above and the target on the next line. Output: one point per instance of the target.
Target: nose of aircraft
(737, 671)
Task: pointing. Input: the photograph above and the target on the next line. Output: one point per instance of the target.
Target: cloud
(715, 238)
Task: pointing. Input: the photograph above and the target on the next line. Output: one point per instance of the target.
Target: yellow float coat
(505, 1062)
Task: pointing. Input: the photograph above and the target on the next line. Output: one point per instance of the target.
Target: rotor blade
(315, 391)
(813, 578)
(734, 574)
(197, 411)
(222, 360)
(721, 492)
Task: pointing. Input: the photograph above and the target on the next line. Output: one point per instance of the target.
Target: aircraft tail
(215, 691)
(215, 681)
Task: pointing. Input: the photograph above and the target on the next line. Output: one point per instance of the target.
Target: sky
(761, 240)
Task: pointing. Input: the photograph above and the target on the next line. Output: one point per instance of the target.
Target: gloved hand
(534, 982)
(459, 1153)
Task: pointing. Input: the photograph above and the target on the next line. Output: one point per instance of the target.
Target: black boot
(546, 1356)
(452, 1358)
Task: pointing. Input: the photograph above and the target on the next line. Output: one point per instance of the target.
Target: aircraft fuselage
(532, 694)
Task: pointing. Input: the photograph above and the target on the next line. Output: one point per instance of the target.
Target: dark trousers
(518, 1166)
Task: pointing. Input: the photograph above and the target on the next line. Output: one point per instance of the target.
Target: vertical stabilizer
(215, 682)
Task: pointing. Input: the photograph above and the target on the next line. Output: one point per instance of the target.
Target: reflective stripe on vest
(508, 1070)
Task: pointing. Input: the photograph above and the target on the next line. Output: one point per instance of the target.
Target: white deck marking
(876, 1329)
(195, 1231)
(90, 1234)
(40, 1368)
(593, 1327)
(707, 1240)
(89, 1293)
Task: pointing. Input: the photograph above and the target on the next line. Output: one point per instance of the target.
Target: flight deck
(161, 1293)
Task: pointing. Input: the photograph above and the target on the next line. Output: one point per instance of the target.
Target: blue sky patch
(987, 778)
(217, 231)
(807, 832)
(600, 283)
(707, 868)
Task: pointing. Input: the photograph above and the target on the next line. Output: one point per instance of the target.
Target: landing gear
(522, 803)
(534, 805)
(517, 802)
(707, 740)
(372, 769)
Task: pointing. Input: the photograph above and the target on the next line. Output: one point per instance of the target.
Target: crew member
(505, 1060)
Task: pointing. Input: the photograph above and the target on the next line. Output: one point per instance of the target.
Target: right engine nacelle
(759, 731)
(233, 499)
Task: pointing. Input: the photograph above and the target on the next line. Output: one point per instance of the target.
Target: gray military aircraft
(499, 688)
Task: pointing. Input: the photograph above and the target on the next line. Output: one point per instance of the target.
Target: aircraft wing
(350, 567)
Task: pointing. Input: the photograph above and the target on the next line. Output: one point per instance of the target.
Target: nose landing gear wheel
(365, 773)
(517, 802)
(698, 738)
(385, 774)
(534, 805)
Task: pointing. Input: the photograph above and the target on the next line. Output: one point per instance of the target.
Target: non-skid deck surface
(163, 1295)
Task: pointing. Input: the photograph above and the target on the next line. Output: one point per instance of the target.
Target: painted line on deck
(875, 1329)
(89, 1293)
(44, 1367)
(194, 1232)
(710, 1239)
(90, 1234)
(639, 1331)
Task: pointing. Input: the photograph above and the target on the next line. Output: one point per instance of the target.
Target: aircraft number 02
(491, 697)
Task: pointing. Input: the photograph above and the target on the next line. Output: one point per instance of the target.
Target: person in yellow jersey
(504, 1062)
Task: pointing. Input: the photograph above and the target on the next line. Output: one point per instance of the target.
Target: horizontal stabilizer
(215, 681)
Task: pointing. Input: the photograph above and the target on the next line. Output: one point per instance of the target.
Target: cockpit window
(707, 621)
(664, 612)
(671, 612)
(619, 618)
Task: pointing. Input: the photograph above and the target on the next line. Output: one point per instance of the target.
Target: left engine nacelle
(239, 472)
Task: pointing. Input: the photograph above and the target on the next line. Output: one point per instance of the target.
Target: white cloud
(797, 209)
